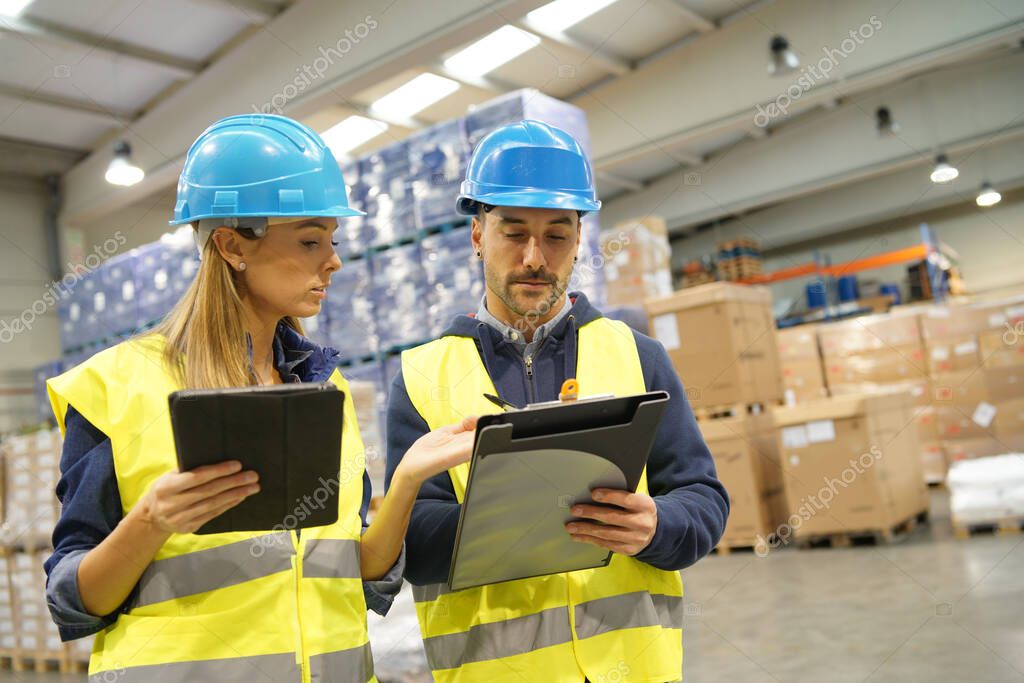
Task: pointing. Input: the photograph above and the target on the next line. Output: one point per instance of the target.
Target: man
(527, 187)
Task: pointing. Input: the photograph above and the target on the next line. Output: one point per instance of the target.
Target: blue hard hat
(529, 164)
(260, 165)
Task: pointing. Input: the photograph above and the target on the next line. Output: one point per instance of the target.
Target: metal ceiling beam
(30, 29)
(611, 63)
(72, 104)
(619, 181)
(252, 11)
(699, 21)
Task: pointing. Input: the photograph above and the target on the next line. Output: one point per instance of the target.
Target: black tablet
(288, 434)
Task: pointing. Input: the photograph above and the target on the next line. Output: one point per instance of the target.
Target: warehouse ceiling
(672, 88)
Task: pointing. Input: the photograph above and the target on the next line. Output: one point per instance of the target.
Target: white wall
(28, 324)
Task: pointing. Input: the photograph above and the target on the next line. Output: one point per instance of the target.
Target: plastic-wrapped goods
(366, 382)
(398, 293)
(454, 277)
(115, 303)
(985, 490)
(352, 235)
(163, 271)
(388, 202)
(527, 104)
(437, 164)
(40, 374)
(351, 322)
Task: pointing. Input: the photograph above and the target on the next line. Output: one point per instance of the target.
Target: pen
(500, 402)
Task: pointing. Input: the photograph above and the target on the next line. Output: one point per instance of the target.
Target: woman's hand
(438, 451)
(181, 502)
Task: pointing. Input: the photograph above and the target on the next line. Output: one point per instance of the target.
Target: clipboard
(529, 467)
(288, 434)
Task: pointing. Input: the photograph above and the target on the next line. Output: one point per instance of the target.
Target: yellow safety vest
(222, 607)
(617, 623)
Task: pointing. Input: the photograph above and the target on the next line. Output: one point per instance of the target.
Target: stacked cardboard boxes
(745, 450)
(977, 374)
(801, 364)
(872, 352)
(850, 464)
(721, 339)
(636, 256)
(30, 466)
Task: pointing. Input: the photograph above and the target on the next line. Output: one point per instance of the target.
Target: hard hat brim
(337, 212)
(528, 199)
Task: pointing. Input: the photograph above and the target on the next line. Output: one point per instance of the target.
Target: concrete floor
(930, 609)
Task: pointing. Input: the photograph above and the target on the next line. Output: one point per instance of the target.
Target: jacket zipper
(528, 362)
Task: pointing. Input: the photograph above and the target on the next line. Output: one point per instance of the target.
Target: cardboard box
(1002, 348)
(637, 261)
(1008, 423)
(880, 367)
(803, 380)
(721, 340)
(870, 333)
(746, 456)
(798, 343)
(850, 464)
(953, 355)
(933, 462)
(969, 449)
(919, 389)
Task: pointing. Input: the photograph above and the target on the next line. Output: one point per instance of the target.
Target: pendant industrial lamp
(122, 171)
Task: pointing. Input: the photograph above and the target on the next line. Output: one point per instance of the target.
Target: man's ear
(477, 235)
(229, 244)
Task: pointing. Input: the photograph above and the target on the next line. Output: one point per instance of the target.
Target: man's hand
(627, 529)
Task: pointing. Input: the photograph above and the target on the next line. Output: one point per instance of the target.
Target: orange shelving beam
(917, 252)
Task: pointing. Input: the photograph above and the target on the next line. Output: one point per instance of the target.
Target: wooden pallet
(729, 547)
(40, 662)
(1008, 526)
(894, 534)
(732, 410)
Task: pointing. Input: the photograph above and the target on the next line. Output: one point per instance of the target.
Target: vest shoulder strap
(101, 387)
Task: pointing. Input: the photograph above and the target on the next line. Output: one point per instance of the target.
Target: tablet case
(289, 434)
(529, 467)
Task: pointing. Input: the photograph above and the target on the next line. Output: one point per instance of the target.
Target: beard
(521, 304)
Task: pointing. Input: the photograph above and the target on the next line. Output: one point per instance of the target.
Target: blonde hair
(206, 344)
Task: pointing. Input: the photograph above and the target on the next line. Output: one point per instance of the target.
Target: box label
(996, 320)
(820, 431)
(940, 353)
(966, 348)
(984, 413)
(667, 331)
(794, 437)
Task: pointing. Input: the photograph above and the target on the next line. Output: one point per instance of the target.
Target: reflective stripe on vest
(222, 606)
(625, 617)
(343, 666)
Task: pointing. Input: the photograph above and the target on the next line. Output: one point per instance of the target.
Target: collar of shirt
(514, 336)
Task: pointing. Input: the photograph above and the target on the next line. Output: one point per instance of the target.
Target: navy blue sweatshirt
(692, 504)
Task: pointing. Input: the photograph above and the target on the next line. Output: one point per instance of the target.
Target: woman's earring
(478, 255)
(575, 259)
(241, 265)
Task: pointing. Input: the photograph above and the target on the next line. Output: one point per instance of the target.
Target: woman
(264, 195)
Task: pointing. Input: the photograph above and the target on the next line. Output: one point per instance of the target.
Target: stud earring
(241, 265)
